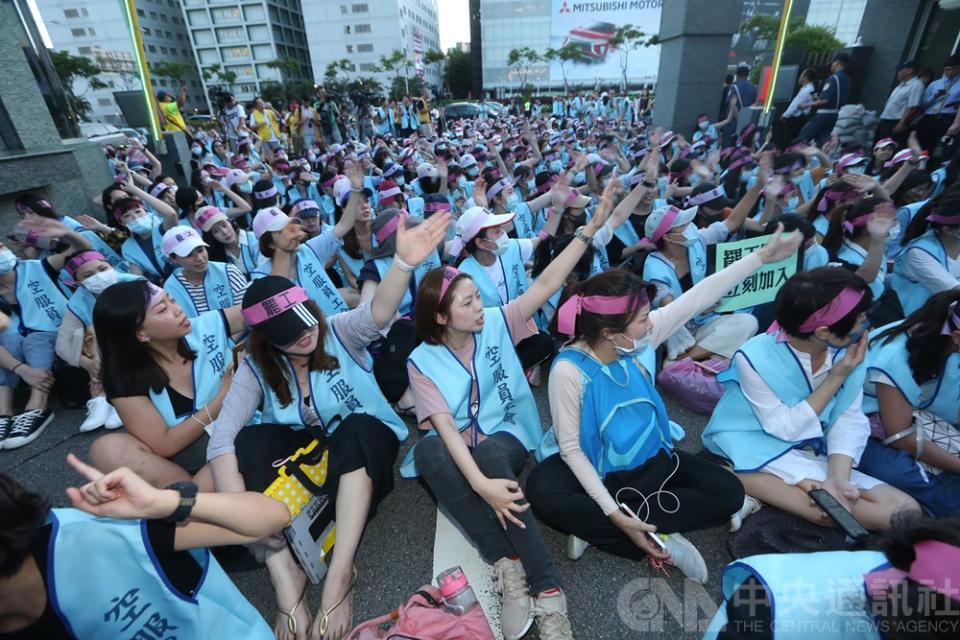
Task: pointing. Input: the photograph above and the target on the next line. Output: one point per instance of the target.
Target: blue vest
(523, 221)
(128, 594)
(891, 358)
(410, 295)
(415, 206)
(808, 190)
(208, 338)
(734, 431)
(312, 276)
(505, 401)
(623, 422)
(850, 255)
(657, 268)
(216, 290)
(830, 604)
(514, 275)
(334, 394)
(905, 215)
(98, 244)
(135, 254)
(249, 252)
(814, 257)
(821, 224)
(353, 264)
(81, 303)
(627, 234)
(914, 295)
(41, 303)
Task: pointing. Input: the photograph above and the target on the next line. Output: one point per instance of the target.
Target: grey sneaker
(550, 610)
(750, 505)
(576, 547)
(5, 422)
(516, 606)
(27, 427)
(686, 557)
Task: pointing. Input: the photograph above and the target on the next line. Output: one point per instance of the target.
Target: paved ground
(610, 598)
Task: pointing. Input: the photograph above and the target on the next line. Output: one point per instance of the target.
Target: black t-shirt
(181, 570)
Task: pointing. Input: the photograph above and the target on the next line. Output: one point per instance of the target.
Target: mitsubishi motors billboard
(589, 26)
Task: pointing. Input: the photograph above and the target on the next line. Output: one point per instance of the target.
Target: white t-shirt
(495, 270)
(905, 95)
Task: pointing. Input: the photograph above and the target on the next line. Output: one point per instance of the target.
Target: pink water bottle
(457, 594)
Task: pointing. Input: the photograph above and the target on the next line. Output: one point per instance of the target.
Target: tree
(70, 67)
(176, 72)
(810, 39)
(625, 39)
(287, 67)
(404, 86)
(567, 53)
(521, 60)
(221, 75)
(458, 74)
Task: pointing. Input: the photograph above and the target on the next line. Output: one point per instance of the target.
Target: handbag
(694, 384)
(424, 618)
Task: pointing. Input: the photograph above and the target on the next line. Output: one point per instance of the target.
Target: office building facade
(363, 32)
(243, 37)
(98, 30)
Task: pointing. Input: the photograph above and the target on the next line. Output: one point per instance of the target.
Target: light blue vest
(128, 594)
(850, 255)
(208, 338)
(134, 254)
(249, 252)
(914, 295)
(415, 206)
(41, 303)
(808, 190)
(523, 221)
(891, 358)
(409, 296)
(353, 264)
(334, 394)
(98, 244)
(657, 268)
(905, 215)
(514, 275)
(216, 290)
(81, 303)
(627, 234)
(812, 595)
(504, 398)
(312, 276)
(815, 257)
(734, 431)
(623, 422)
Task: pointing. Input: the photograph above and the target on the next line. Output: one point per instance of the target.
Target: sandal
(291, 618)
(325, 615)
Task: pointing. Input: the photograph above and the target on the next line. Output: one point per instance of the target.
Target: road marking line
(451, 549)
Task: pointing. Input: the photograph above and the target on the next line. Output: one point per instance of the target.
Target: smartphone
(238, 353)
(836, 512)
(653, 536)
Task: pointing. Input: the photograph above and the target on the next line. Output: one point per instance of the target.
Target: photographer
(329, 118)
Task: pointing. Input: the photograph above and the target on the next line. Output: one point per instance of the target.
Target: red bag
(694, 384)
(424, 618)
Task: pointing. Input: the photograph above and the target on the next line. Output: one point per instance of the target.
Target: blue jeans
(36, 350)
(819, 127)
(939, 494)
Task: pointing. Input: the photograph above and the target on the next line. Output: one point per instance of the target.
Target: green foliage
(625, 39)
(273, 92)
(398, 88)
(458, 74)
(216, 72)
(764, 26)
(812, 39)
(287, 66)
(433, 56)
(69, 68)
(176, 72)
(521, 60)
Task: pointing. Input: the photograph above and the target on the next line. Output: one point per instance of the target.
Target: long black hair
(852, 210)
(927, 349)
(129, 367)
(22, 514)
(948, 201)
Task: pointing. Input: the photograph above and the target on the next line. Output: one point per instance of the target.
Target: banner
(762, 286)
(589, 26)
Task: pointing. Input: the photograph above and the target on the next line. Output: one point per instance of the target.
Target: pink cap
(207, 217)
(390, 226)
(936, 565)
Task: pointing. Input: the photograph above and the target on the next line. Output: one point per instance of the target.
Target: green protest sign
(762, 286)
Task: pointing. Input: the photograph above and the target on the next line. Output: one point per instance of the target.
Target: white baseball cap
(181, 240)
(235, 176)
(657, 223)
(467, 160)
(269, 219)
(476, 219)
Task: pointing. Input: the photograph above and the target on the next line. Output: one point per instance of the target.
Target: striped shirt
(238, 284)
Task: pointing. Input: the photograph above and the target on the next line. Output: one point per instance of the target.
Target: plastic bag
(694, 384)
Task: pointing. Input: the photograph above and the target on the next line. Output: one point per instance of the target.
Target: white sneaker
(576, 547)
(750, 505)
(686, 557)
(113, 419)
(97, 411)
(516, 605)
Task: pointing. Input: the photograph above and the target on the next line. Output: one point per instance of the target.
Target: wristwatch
(580, 234)
(188, 498)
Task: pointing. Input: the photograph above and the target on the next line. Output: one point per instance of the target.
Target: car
(456, 110)
(593, 40)
(137, 134)
(493, 109)
(102, 132)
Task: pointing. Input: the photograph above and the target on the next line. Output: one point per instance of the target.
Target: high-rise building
(363, 32)
(511, 24)
(244, 37)
(99, 31)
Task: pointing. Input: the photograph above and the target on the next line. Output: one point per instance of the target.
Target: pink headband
(498, 187)
(80, 259)
(944, 218)
(602, 305)
(832, 312)
(793, 167)
(860, 221)
(122, 209)
(835, 196)
(155, 294)
(739, 162)
(900, 156)
(546, 186)
(597, 168)
(665, 225)
(449, 274)
(158, 189)
(947, 329)
(936, 565)
(706, 196)
(432, 207)
(883, 142)
(386, 194)
(263, 195)
(208, 213)
(574, 194)
(390, 226)
(274, 305)
(329, 183)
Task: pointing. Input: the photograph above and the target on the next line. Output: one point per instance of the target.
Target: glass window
(364, 48)
(85, 51)
(70, 13)
(140, 13)
(103, 102)
(225, 14)
(151, 48)
(349, 48)
(78, 33)
(360, 8)
(343, 9)
(146, 30)
(363, 28)
(235, 53)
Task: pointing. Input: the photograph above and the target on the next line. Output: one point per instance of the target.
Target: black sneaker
(5, 422)
(27, 427)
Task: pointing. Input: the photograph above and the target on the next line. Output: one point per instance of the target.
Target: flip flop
(291, 619)
(325, 615)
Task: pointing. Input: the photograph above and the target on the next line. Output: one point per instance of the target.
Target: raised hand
(354, 171)
(780, 245)
(883, 219)
(119, 494)
(415, 244)
(93, 224)
(480, 192)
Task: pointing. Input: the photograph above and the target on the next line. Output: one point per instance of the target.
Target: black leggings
(708, 494)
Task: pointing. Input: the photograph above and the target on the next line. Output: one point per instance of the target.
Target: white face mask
(704, 125)
(791, 204)
(98, 282)
(503, 243)
(7, 261)
(859, 169)
(140, 225)
(513, 201)
(639, 345)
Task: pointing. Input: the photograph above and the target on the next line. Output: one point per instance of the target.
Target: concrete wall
(887, 26)
(695, 45)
